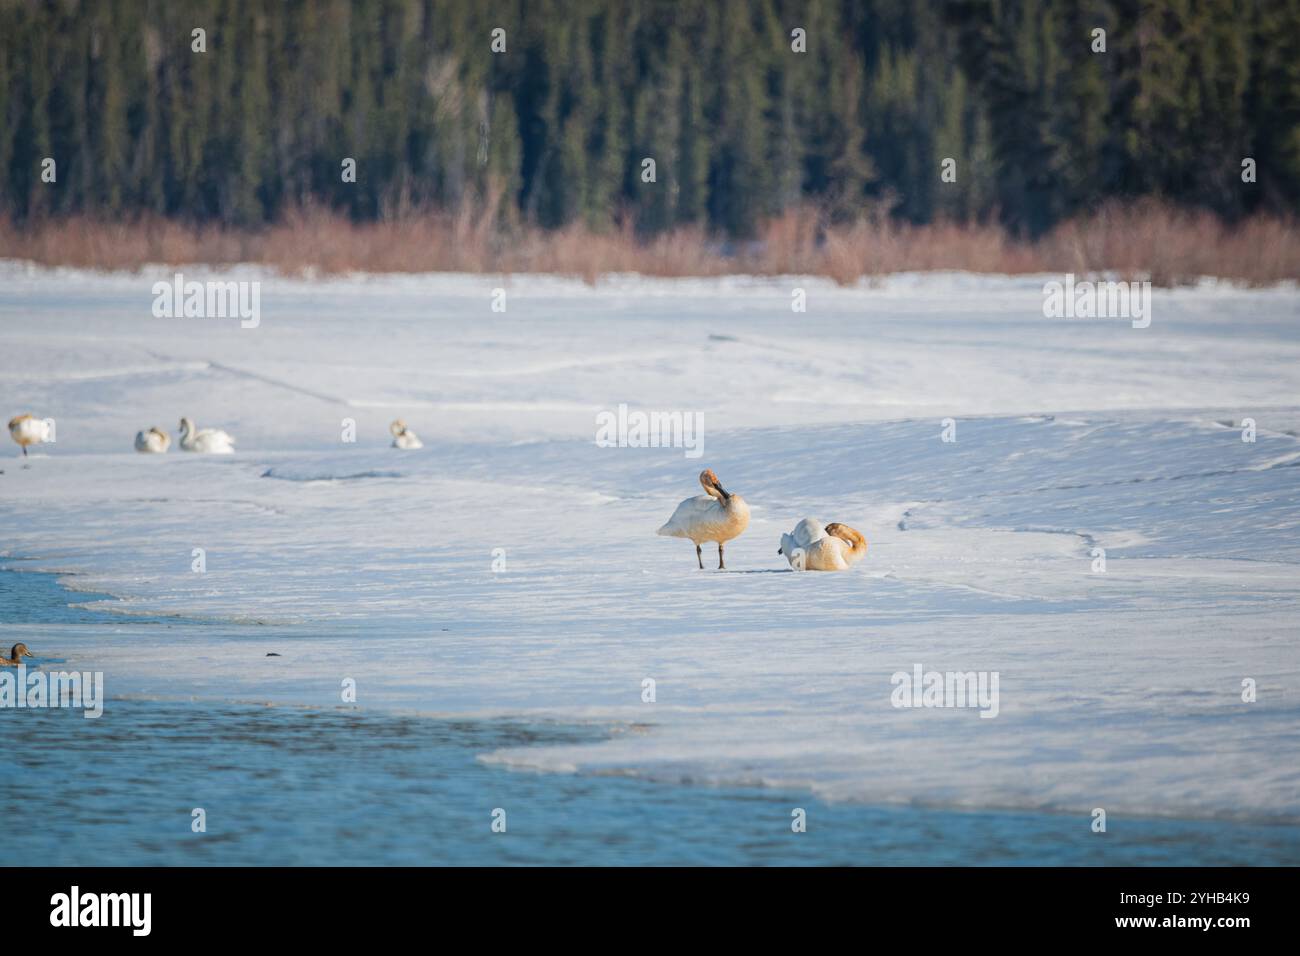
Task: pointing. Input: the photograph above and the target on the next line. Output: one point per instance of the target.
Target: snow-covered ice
(1119, 689)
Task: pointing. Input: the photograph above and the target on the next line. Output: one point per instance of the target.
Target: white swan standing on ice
(211, 441)
(154, 441)
(715, 516)
(27, 430)
(403, 437)
(810, 547)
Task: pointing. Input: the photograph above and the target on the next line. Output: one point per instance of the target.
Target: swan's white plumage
(810, 547)
(801, 538)
(209, 441)
(403, 437)
(155, 441)
(716, 516)
(29, 430)
(703, 518)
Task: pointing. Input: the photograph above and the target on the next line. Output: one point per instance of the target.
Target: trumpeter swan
(155, 441)
(27, 430)
(403, 437)
(211, 441)
(810, 547)
(714, 516)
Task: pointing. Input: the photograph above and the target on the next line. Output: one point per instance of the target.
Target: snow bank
(1119, 689)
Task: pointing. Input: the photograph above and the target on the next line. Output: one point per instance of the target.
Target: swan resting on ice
(27, 430)
(154, 441)
(211, 441)
(810, 547)
(713, 516)
(403, 437)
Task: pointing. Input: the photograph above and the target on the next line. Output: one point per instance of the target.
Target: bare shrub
(1147, 239)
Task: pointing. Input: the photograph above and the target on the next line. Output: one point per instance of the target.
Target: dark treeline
(554, 130)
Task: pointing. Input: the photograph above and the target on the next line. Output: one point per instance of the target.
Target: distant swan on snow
(715, 516)
(155, 441)
(810, 547)
(27, 430)
(211, 441)
(403, 437)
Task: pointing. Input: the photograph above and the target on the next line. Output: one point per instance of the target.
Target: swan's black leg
(698, 557)
(721, 566)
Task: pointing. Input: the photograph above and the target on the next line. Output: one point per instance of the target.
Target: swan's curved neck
(857, 543)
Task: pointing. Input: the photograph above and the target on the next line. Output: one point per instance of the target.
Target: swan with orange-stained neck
(810, 547)
(717, 515)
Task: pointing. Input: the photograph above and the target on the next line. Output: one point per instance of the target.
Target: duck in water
(19, 651)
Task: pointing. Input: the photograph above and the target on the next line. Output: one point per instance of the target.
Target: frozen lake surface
(1119, 689)
(288, 786)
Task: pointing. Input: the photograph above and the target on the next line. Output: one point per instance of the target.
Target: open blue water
(287, 785)
(34, 598)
